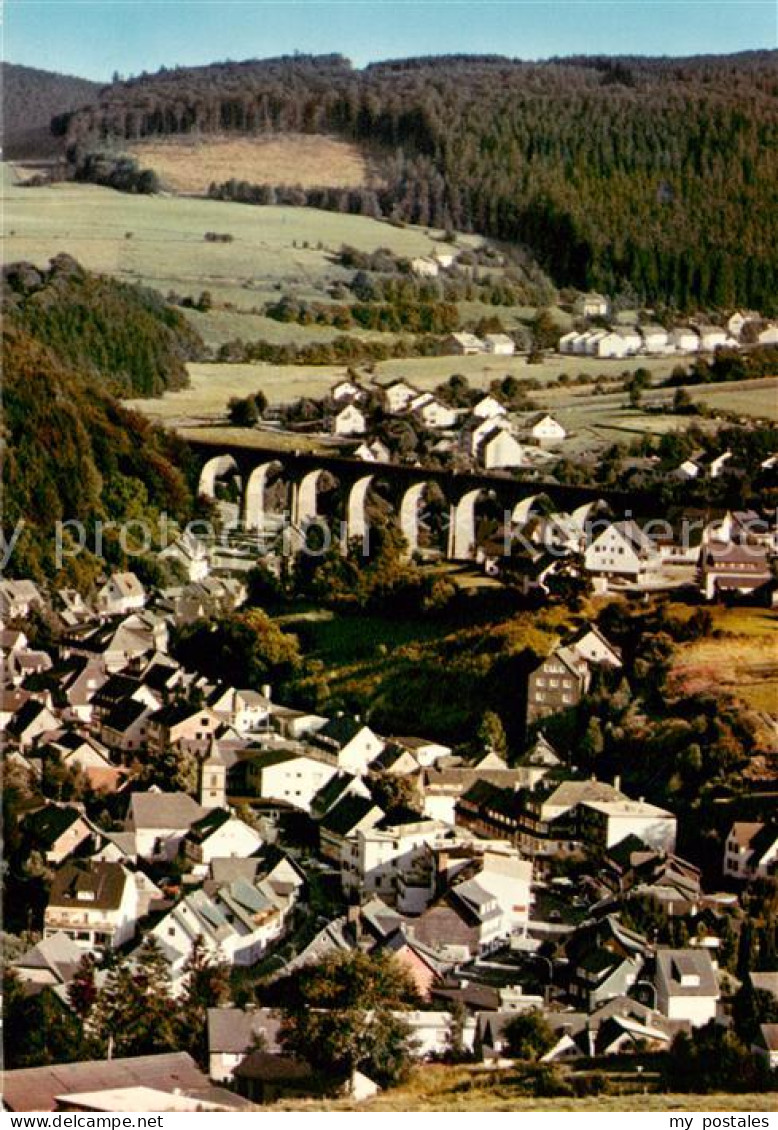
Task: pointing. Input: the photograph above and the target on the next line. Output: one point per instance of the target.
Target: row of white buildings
(655, 340)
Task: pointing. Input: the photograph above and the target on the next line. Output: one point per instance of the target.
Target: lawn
(480, 1089)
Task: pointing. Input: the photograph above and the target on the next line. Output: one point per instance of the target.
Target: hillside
(31, 98)
(73, 454)
(125, 336)
(652, 176)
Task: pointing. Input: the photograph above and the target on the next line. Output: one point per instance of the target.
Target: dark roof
(208, 824)
(274, 1068)
(330, 793)
(346, 814)
(116, 689)
(36, 1088)
(25, 716)
(232, 1030)
(46, 825)
(124, 714)
(89, 884)
(339, 731)
(176, 712)
(158, 675)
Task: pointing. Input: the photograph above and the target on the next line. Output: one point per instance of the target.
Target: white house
(218, 835)
(499, 344)
(547, 431)
(488, 407)
(509, 878)
(612, 344)
(433, 413)
(609, 822)
(398, 395)
(345, 390)
(655, 339)
(685, 339)
(288, 775)
(18, 598)
(160, 821)
(621, 550)
(121, 593)
(686, 985)
(354, 744)
(769, 335)
(567, 341)
(349, 421)
(500, 449)
(464, 344)
(94, 904)
(711, 338)
(373, 452)
(592, 305)
(751, 850)
(373, 858)
(425, 267)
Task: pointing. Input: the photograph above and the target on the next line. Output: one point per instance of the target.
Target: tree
(206, 984)
(39, 1029)
(391, 791)
(750, 1008)
(528, 1035)
(243, 411)
(134, 1013)
(491, 734)
(345, 1017)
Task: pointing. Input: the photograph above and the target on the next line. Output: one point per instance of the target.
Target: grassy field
(743, 660)
(755, 400)
(478, 1089)
(159, 240)
(190, 164)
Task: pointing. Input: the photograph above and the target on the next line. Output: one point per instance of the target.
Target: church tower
(213, 778)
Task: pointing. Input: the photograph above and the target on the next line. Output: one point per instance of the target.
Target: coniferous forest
(657, 177)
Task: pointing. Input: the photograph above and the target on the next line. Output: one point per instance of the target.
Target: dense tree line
(125, 336)
(119, 171)
(73, 452)
(31, 98)
(657, 174)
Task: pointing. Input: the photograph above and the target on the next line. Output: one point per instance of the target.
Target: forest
(31, 98)
(651, 177)
(73, 452)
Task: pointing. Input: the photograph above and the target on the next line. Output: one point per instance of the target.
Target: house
(31, 721)
(591, 305)
(711, 338)
(567, 342)
(546, 431)
(425, 267)
(731, 569)
(121, 593)
(265, 1079)
(499, 344)
(295, 775)
(93, 903)
(56, 831)
(751, 851)
(609, 344)
(621, 551)
(52, 961)
(463, 344)
(765, 1046)
(353, 744)
(345, 390)
(509, 879)
(477, 429)
(160, 821)
(655, 339)
(488, 407)
(87, 755)
(345, 818)
(594, 647)
(557, 684)
(349, 421)
(604, 823)
(40, 1088)
(736, 322)
(373, 452)
(499, 449)
(372, 858)
(769, 335)
(602, 974)
(397, 396)
(219, 835)
(182, 725)
(124, 727)
(686, 985)
(234, 1032)
(425, 751)
(685, 339)
(433, 413)
(191, 554)
(18, 599)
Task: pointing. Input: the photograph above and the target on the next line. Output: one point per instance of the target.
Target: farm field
(159, 240)
(191, 164)
(212, 385)
(744, 397)
(743, 660)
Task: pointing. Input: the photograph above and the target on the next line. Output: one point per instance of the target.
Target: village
(158, 810)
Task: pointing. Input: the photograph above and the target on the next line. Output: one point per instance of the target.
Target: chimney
(617, 782)
(267, 691)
